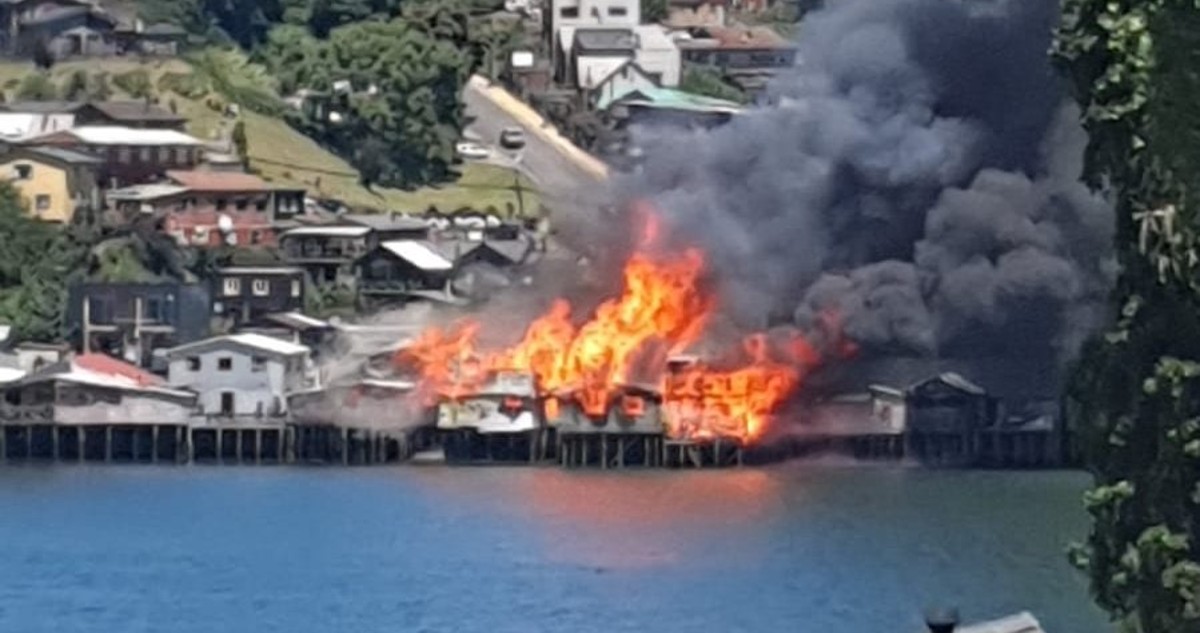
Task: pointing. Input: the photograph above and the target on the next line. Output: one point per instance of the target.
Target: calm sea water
(808, 549)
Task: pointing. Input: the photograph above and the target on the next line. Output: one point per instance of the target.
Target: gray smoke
(917, 172)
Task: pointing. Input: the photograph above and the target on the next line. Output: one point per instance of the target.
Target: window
(221, 204)
(225, 363)
(226, 403)
(99, 311)
(296, 287)
(260, 204)
(152, 310)
(241, 204)
(568, 12)
(258, 363)
(262, 287)
(255, 237)
(23, 171)
(232, 286)
(144, 155)
(164, 154)
(617, 11)
(124, 154)
(181, 155)
(42, 201)
(193, 363)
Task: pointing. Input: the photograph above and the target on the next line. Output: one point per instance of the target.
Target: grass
(283, 156)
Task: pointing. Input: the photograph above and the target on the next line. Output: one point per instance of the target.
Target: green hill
(279, 153)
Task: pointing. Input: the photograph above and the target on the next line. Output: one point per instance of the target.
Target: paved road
(573, 193)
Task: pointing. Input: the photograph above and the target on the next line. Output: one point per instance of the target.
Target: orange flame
(660, 311)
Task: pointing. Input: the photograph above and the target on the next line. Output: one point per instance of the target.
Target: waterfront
(801, 548)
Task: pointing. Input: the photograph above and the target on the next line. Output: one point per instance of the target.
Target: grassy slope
(286, 157)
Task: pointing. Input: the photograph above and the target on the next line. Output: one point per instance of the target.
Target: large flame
(661, 311)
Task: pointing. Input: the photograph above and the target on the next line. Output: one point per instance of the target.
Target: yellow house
(53, 182)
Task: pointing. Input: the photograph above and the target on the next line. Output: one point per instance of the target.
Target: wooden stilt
(346, 447)
(28, 442)
(4, 443)
(237, 445)
(80, 443)
(154, 444)
(54, 433)
(108, 448)
(257, 446)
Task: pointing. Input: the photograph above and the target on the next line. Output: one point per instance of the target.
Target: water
(808, 549)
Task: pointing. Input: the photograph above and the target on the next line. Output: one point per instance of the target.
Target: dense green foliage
(1135, 397)
(39, 260)
(710, 83)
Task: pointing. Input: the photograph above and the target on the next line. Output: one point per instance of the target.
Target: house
(666, 106)
(162, 39)
(737, 47)
(405, 268)
(241, 375)
(696, 13)
(33, 356)
(627, 78)
(95, 389)
(66, 28)
(245, 294)
(131, 320)
(208, 209)
(362, 403)
(596, 53)
(389, 226)
(53, 182)
(138, 115)
(565, 16)
(130, 156)
(327, 253)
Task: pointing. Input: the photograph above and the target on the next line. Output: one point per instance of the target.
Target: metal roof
(145, 192)
(418, 253)
(668, 98)
(1021, 623)
(64, 155)
(330, 231)
(215, 181)
(117, 135)
(259, 270)
(297, 321)
(245, 339)
(605, 39)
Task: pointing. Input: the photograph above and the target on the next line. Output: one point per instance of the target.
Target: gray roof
(605, 40)
(163, 28)
(514, 251)
(386, 221)
(64, 155)
(62, 13)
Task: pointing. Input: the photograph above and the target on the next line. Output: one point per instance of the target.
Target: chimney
(941, 620)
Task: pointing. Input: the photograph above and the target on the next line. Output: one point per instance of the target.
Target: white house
(245, 374)
(658, 54)
(595, 54)
(568, 15)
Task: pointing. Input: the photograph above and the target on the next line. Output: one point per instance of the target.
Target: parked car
(472, 150)
(512, 138)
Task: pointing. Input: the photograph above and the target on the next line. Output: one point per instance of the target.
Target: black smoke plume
(918, 172)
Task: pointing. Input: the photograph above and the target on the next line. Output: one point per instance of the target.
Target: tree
(37, 262)
(43, 57)
(708, 82)
(76, 88)
(239, 139)
(1134, 398)
(654, 11)
(136, 83)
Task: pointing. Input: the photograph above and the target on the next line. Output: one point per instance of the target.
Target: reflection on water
(821, 550)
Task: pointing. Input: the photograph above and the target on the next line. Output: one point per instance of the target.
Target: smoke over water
(917, 172)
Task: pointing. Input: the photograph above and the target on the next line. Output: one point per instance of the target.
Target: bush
(135, 82)
(37, 87)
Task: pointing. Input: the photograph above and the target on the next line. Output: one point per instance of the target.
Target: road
(569, 184)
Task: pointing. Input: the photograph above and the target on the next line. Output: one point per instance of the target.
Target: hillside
(284, 156)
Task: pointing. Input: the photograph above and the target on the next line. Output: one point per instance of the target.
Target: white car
(472, 150)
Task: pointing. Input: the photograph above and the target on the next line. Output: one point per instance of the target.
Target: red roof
(103, 364)
(203, 181)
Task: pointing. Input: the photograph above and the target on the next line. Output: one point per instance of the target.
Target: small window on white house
(232, 286)
(258, 363)
(225, 363)
(617, 11)
(296, 287)
(262, 287)
(568, 12)
(193, 363)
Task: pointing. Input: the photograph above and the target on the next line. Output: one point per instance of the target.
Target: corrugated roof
(65, 155)
(116, 135)
(330, 231)
(103, 364)
(216, 181)
(259, 270)
(605, 39)
(387, 221)
(669, 98)
(1023, 622)
(142, 193)
(247, 339)
(297, 321)
(418, 253)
